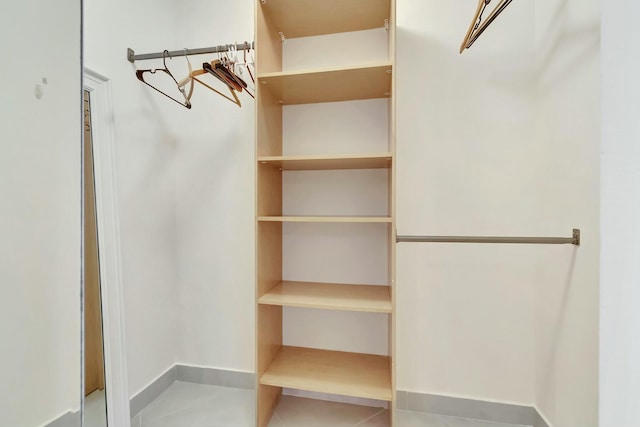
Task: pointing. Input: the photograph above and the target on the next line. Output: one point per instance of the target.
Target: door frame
(109, 249)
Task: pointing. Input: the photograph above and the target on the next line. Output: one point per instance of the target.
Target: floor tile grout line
(187, 407)
(368, 418)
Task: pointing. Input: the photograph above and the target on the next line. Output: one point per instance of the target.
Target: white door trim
(108, 226)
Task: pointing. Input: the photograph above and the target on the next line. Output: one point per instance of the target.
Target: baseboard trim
(152, 391)
(470, 408)
(219, 377)
(406, 400)
(540, 420)
(70, 419)
(190, 374)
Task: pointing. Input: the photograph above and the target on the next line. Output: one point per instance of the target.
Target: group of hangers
(226, 69)
(477, 26)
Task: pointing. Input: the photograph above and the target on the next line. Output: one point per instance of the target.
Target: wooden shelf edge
(323, 70)
(328, 219)
(330, 296)
(325, 157)
(304, 18)
(325, 371)
(329, 162)
(329, 85)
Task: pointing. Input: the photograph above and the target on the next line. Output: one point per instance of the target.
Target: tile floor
(198, 405)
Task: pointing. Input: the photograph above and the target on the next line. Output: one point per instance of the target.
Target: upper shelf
(302, 18)
(329, 219)
(330, 85)
(339, 161)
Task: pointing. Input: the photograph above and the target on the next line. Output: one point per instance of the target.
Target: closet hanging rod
(573, 240)
(132, 57)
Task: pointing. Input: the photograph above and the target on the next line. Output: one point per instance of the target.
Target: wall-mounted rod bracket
(283, 39)
(573, 240)
(576, 236)
(132, 57)
(386, 24)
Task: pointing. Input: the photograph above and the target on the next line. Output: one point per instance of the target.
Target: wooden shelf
(302, 18)
(337, 219)
(329, 85)
(330, 296)
(348, 374)
(341, 161)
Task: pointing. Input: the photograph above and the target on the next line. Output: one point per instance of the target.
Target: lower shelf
(330, 296)
(334, 372)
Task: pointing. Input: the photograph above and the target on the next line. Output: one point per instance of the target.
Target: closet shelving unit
(316, 370)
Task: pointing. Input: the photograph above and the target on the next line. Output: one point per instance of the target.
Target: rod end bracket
(576, 236)
(130, 55)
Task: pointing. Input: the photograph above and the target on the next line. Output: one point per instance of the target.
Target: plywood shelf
(329, 85)
(335, 219)
(340, 161)
(348, 374)
(329, 296)
(302, 18)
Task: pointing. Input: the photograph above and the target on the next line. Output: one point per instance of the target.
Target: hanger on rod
(477, 26)
(141, 73)
(227, 69)
(246, 64)
(224, 68)
(183, 83)
(196, 73)
(236, 68)
(218, 70)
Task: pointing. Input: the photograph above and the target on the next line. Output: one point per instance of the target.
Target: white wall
(465, 144)
(40, 210)
(186, 187)
(215, 203)
(620, 190)
(147, 128)
(568, 153)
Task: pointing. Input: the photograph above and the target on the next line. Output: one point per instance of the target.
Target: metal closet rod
(573, 240)
(132, 57)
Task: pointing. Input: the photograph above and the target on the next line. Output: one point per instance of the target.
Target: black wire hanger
(140, 76)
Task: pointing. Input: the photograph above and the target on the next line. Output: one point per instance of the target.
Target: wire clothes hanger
(246, 65)
(236, 68)
(205, 70)
(478, 27)
(140, 75)
(182, 83)
(227, 69)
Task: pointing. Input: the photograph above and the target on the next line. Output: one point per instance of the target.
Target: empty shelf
(330, 85)
(348, 219)
(302, 18)
(330, 296)
(334, 372)
(340, 161)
